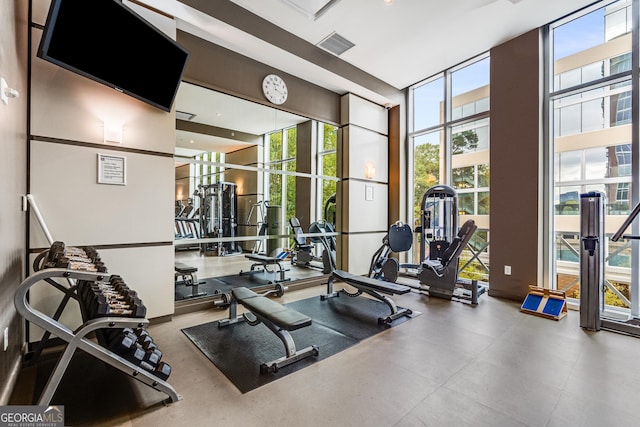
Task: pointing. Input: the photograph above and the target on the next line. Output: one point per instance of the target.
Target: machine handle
(590, 243)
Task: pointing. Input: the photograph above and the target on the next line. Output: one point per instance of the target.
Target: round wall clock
(274, 89)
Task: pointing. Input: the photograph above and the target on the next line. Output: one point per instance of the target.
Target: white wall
(133, 222)
(363, 201)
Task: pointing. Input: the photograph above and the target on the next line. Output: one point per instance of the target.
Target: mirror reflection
(255, 193)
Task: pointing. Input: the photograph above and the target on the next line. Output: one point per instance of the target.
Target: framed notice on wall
(112, 169)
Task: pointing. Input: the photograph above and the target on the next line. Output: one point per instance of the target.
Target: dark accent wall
(13, 164)
(305, 148)
(515, 153)
(215, 67)
(395, 167)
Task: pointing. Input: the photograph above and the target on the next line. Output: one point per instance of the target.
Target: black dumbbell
(162, 371)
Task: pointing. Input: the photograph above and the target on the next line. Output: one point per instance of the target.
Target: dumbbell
(100, 307)
(89, 290)
(126, 346)
(162, 371)
(64, 262)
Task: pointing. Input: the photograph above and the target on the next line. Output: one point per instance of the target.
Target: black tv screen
(106, 41)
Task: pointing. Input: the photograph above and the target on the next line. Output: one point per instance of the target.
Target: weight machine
(218, 210)
(593, 313)
(441, 244)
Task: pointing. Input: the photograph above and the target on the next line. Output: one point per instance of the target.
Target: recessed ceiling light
(388, 1)
(191, 142)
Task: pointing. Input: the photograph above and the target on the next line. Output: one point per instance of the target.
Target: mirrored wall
(249, 178)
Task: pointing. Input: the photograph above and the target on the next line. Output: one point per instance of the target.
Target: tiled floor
(454, 365)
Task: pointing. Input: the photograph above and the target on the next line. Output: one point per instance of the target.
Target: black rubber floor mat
(239, 349)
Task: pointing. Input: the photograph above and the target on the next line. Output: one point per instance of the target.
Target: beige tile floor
(454, 365)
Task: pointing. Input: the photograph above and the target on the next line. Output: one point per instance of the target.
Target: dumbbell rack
(78, 338)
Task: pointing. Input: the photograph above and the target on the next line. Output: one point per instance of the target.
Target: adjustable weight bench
(374, 287)
(264, 262)
(189, 278)
(277, 317)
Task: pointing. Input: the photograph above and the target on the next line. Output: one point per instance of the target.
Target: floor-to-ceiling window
(449, 133)
(327, 167)
(280, 152)
(591, 139)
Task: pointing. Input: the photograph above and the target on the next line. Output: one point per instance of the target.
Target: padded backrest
(297, 231)
(459, 243)
(400, 237)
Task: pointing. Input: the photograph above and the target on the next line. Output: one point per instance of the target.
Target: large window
(449, 131)
(327, 167)
(590, 101)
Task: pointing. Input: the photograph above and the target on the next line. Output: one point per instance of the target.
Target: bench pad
(185, 269)
(263, 258)
(283, 317)
(378, 285)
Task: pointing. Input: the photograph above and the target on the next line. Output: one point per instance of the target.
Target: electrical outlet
(507, 270)
(6, 338)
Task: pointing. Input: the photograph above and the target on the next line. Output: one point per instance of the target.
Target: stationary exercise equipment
(189, 277)
(438, 277)
(330, 210)
(110, 310)
(378, 289)
(218, 217)
(593, 313)
(277, 317)
(266, 264)
(545, 303)
(383, 265)
(304, 252)
(438, 221)
(261, 222)
(321, 233)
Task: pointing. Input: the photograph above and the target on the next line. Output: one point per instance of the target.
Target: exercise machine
(330, 210)
(217, 217)
(440, 275)
(593, 311)
(383, 265)
(321, 233)
(260, 224)
(378, 289)
(437, 277)
(438, 221)
(304, 252)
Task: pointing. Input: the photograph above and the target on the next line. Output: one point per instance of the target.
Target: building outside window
(449, 130)
(591, 142)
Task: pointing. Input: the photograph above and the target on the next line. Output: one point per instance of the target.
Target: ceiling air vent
(181, 115)
(336, 44)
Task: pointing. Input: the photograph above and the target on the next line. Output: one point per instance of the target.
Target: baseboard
(9, 384)
(506, 295)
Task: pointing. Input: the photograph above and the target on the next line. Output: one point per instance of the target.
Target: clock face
(274, 89)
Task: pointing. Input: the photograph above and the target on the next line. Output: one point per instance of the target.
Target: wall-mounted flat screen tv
(106, 41)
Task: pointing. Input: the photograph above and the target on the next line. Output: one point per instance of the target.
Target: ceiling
(400, 43)
(229, 115)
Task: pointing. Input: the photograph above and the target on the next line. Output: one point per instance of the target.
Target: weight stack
(592, 256)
